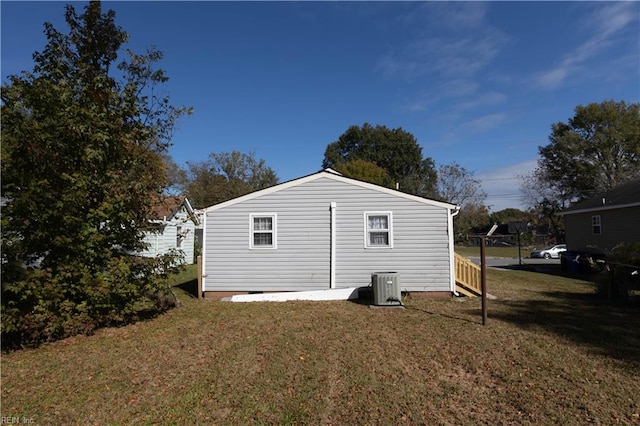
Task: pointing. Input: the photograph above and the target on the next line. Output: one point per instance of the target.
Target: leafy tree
(224, 176)
(472, 216)
(80, 163)
(458, 185)
(394, 150)
(510, 215)
(546, 199)
(365, 171)
(176, 176)
(596, 150)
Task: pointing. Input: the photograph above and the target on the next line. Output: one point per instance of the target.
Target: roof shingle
(622, 195)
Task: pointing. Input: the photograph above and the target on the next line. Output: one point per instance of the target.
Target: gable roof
(333, 175)
(625, 195)
(164, 207)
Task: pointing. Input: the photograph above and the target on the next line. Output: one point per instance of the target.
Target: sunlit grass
(550, 354)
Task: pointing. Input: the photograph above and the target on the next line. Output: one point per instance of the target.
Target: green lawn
(551, 353)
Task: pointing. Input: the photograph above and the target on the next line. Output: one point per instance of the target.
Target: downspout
(203, 253)
(452, 268)
(332, 261)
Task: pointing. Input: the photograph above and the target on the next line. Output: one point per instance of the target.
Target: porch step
(467, 277)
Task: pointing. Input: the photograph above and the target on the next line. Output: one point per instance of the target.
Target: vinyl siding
(162, 243)
(302, 260)
(618, 225)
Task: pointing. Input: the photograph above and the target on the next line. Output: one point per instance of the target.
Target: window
(263, 230)
(179, 237)
(378, 230)
(596, 225)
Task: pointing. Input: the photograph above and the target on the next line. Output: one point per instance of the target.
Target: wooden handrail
(468, 279)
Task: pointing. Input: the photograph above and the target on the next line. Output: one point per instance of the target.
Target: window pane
(595, 222)
(262, 239)
(378, 222)
(262, 223)
(379, 238)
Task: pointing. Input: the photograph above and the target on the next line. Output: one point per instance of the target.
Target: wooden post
(483, 280)
(199, 268)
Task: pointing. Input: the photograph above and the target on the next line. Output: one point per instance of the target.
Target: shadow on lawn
(542, 268)
(189, 287)
(609, 328)
(366, 299)
(439, 314)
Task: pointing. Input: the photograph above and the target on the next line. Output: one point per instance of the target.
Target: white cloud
(452, 50)
(445, 15)
(449, 40)
(460, 87)
(503, 185)
(615, 16)
(449, 57)
(484, 123)
(482, 100)
(605, 24)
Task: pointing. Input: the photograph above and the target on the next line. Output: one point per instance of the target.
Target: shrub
(46, 305)
(622, 272)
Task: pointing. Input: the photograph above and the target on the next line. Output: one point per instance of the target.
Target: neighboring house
(326, 231)
(604, 221)
(199, 229)
(172, 227)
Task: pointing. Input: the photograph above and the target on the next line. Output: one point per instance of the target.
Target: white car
(551, 252)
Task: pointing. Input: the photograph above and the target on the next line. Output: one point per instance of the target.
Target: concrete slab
(328, 294)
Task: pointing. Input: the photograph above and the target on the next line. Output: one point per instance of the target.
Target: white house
(172, 227)
(327, 231)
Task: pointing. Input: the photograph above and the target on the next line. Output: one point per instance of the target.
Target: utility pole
(483, 272)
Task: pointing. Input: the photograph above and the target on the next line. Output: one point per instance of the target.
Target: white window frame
(367, 231)
(596, 222)
(273, 231)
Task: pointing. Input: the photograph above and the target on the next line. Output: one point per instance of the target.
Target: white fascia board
(452, 257)
(331, 175)
(599, 209)
(191, 212)
(265, 191)
(390, 191)
(203, 256)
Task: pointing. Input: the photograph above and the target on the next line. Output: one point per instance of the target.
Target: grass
(550, 354)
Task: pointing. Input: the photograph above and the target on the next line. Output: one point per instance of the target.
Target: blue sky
(476, 83)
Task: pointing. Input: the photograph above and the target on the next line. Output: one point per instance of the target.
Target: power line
(513, 196)
(504, 178)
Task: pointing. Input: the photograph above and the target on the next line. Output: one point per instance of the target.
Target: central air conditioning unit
(386, 289)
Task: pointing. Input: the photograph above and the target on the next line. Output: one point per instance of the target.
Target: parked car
(551, 252)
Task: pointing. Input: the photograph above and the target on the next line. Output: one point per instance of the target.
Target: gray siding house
(327, 231)
(604, 221)
(172, 227)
